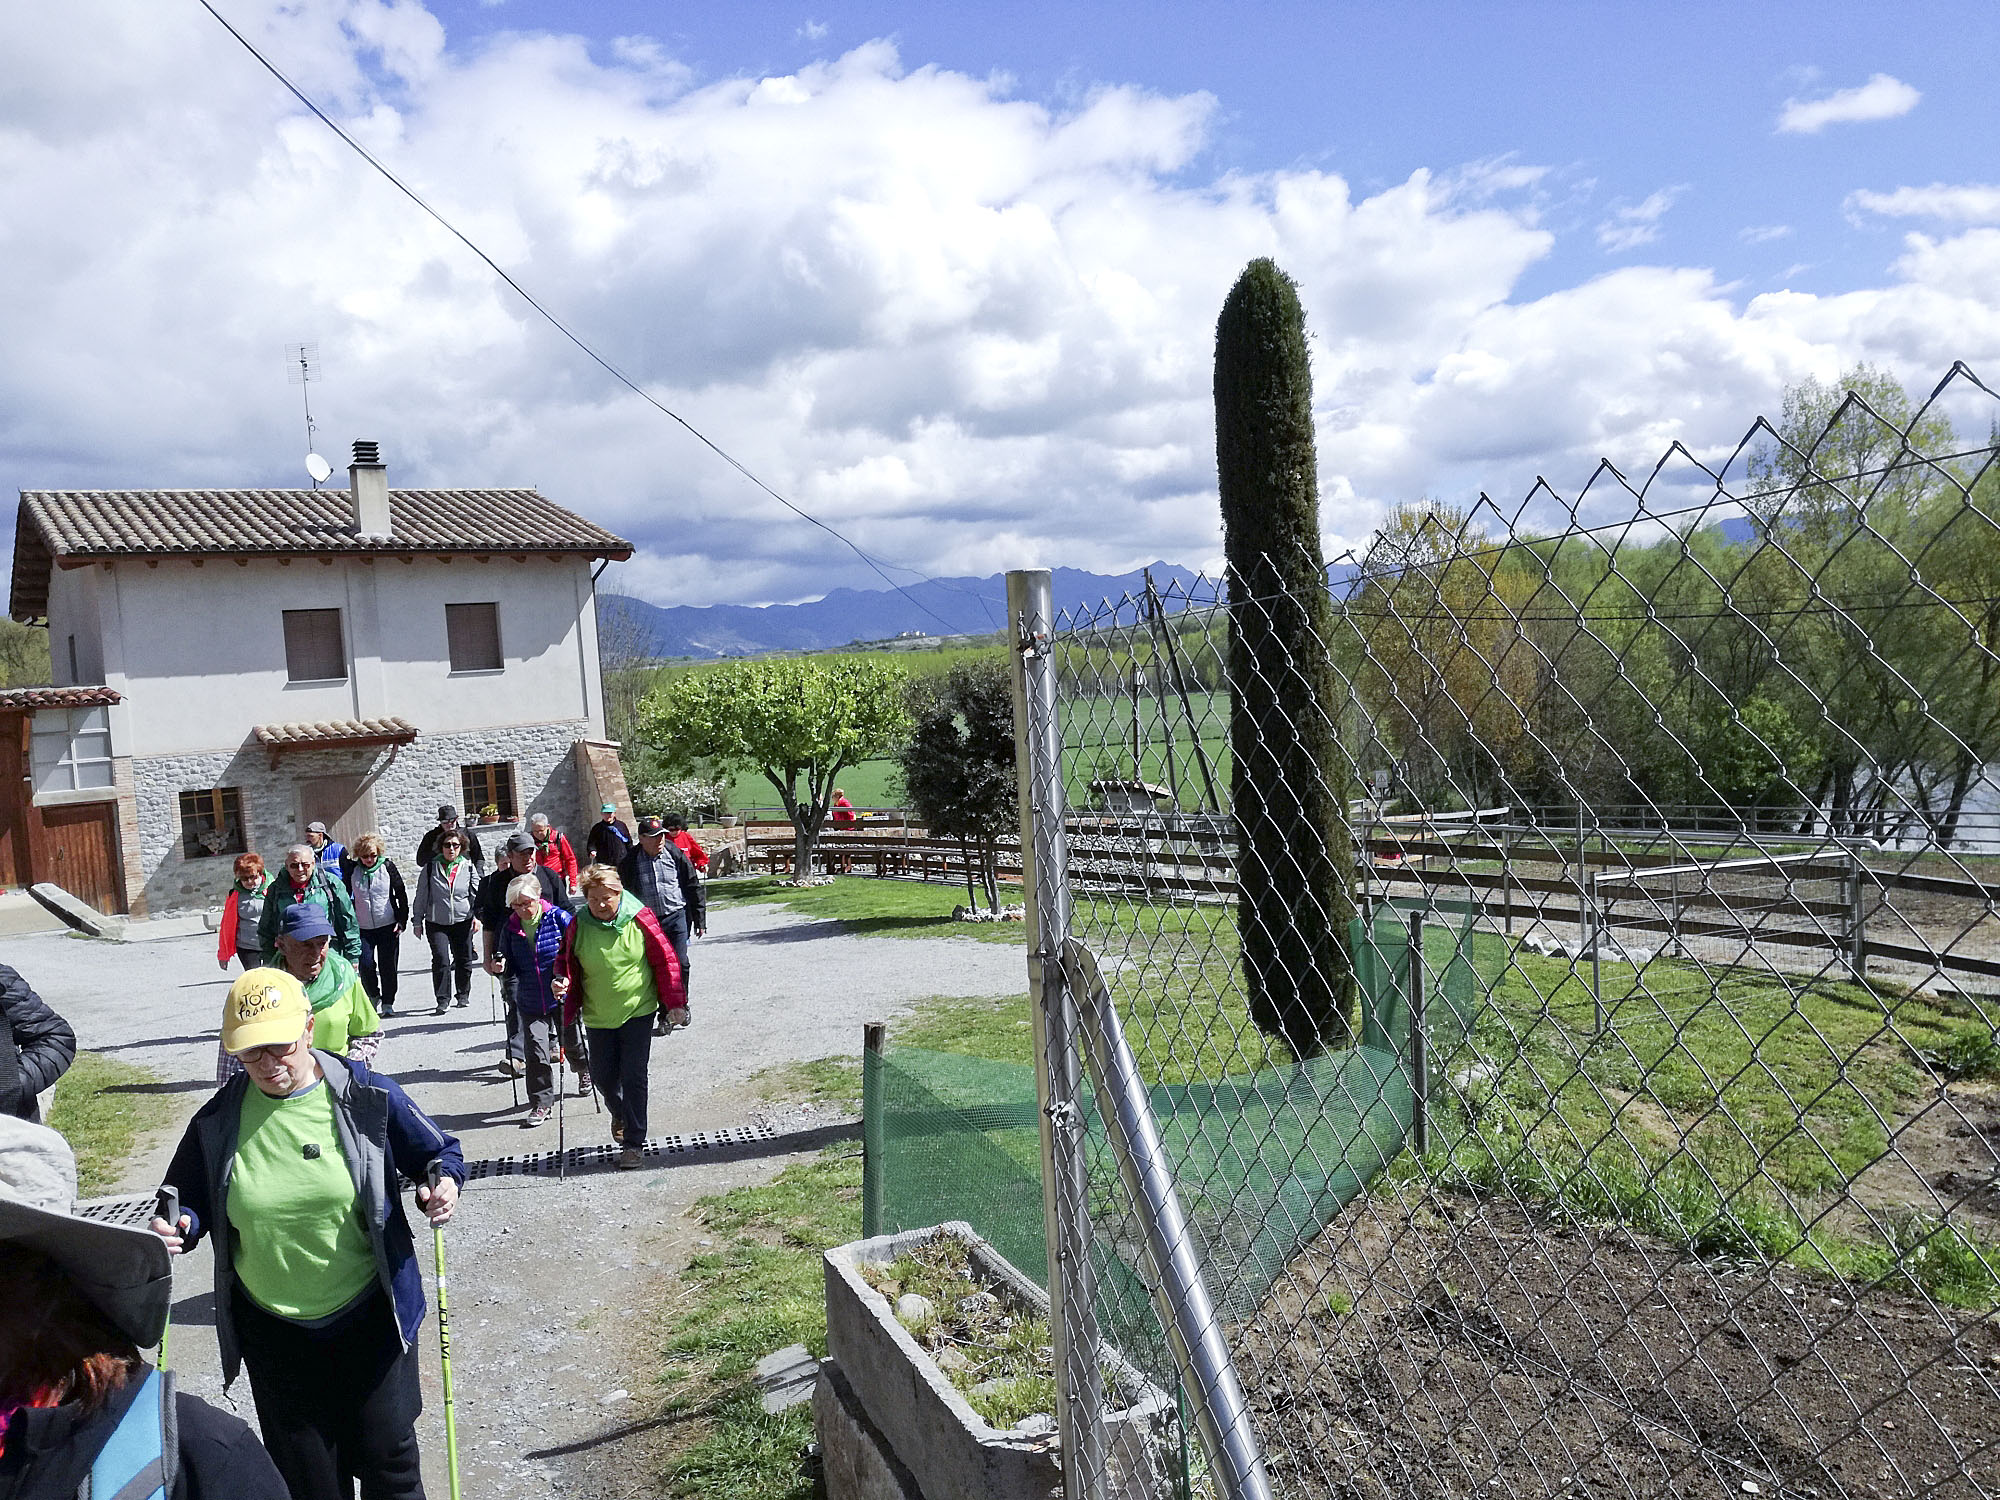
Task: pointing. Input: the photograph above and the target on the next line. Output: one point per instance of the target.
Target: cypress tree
(1295, 860)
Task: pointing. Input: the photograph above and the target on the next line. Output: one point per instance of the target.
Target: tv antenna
(302, 369)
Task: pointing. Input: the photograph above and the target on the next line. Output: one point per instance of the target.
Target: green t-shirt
(301, 1250)
(341, 1009)
(617, 980)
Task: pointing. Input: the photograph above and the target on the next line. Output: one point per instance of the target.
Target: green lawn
(880, 908)
(100, 1109)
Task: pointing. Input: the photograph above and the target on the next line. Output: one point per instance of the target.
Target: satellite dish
(318, 467)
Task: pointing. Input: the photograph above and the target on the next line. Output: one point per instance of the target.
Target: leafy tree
(799, 721)
(1289, 779)
(24, 655)
(958, 765)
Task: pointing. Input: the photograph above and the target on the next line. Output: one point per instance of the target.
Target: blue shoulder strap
(134, 1464)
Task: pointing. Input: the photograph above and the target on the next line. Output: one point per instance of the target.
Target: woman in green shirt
(294, 1167)
(617, 971)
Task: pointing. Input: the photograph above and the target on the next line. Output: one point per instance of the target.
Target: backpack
(141, 1459)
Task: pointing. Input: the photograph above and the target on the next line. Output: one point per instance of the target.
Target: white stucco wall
(73, 611)
(199, 651)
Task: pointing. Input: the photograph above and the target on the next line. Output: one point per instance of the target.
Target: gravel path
(554, 1285)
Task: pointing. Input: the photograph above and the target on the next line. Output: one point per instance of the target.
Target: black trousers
(451, 959)
(337, 1404)
(381, 949)
(618, 1059)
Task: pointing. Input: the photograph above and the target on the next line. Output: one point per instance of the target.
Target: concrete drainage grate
(131, 1212)
(587, 1158)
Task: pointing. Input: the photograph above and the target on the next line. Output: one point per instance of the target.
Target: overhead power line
(878, 565)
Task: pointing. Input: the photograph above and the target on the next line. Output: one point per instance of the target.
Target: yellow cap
(265, 1006)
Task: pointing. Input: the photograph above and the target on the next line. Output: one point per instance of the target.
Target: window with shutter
(211, 823)
(489, 790)
(472, 631)
(314, 651)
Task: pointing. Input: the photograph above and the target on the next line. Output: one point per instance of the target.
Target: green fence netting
(1263, 1161)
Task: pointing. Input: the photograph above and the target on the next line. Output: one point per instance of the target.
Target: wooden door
(16, 795)
(80, 853)
(346, 804)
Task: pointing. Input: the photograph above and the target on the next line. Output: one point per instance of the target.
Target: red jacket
(225, 947)
(689, 845)
(557, 855)
(843, 813)
(660, 958)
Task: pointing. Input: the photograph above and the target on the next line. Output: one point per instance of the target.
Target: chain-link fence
(1528, 1026)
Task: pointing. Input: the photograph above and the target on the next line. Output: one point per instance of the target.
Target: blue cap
(305, 920)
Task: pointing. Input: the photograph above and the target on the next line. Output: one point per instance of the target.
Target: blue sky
(947, 276)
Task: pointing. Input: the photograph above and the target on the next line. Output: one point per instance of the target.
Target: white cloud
(813, 31)
(1763, 234)
(969, 330)
(1632, 225)
(1964, 203)
(1880, 98)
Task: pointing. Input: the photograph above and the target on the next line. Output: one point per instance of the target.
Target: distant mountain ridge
(937, 606)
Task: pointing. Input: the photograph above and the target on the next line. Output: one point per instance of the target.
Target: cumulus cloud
(1634, 224)
(1964, 203)
(970, 330)
(1880, 98)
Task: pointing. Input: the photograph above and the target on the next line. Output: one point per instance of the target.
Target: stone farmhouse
(231, 665)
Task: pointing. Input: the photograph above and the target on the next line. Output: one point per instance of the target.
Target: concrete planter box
(929, 1432)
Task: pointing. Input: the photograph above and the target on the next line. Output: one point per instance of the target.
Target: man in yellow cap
(294, 1168)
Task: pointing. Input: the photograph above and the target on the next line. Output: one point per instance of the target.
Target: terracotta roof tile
(58, 697)
(391, 731)
(71, 526)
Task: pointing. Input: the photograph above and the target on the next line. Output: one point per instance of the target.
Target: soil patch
(1465, 1347)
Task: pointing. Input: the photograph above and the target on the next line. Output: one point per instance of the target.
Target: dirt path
(554, 1284)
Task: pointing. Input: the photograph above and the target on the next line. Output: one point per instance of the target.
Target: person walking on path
(553, 851)
(615, 972)
(36, 1047)
(83, 1297)
(448, 823)
(661, 877)
(517, 858)
(687, 843)
(609, 838)
(294, 1170)
(236, 936)
(332, 853)
(382, 911)
(531, 941)
(344, 1018)
(446, 891)
(306, 882)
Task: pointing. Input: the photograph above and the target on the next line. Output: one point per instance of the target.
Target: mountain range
(935, 607)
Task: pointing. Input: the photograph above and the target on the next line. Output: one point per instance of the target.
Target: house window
(313, 648)
(212, 823)
(472, 632)
(72, 749)
(489, 786)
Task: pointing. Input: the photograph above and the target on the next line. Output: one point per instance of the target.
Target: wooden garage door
(346, 804)
(81, 853)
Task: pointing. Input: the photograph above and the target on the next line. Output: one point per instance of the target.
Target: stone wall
(409, 781)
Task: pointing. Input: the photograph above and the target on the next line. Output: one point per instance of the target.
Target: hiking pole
(444, 1343)
(167, 1205)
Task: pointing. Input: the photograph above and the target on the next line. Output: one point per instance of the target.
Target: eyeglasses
(269, 1053)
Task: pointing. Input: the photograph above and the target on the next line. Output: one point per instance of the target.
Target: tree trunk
(965, 862)
(989, 869)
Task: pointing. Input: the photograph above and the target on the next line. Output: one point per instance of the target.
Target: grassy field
(100, 1111)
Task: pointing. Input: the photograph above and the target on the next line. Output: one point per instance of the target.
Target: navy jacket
(384, 1137)
(532, 961)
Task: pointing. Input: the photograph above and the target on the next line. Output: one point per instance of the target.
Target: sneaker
(512, 1067)
(443, 1006)
(464, 1001)
(631, 1157)
(538, 1116)
(617, 1133)
(385, 1011)
(582, 1084)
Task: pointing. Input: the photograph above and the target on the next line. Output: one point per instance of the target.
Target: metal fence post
(1052, 1009)
(873, 1034)
(1857, 922)
(1420, 1063)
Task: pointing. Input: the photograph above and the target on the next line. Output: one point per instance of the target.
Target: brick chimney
(368, 487)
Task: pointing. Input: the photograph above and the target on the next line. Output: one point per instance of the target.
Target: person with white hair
(304, 880)
(530, 944)
(553, 851)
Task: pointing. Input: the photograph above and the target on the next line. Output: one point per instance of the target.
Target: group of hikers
(293, 1169)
